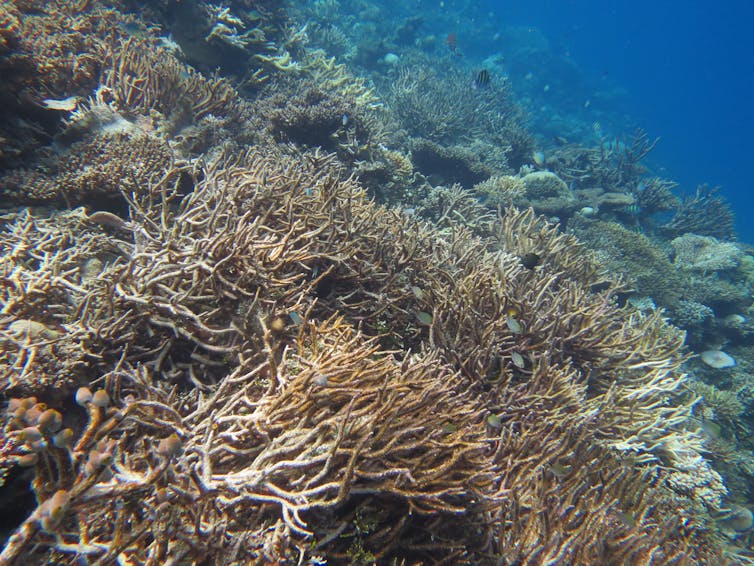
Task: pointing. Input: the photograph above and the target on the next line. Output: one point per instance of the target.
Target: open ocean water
(687, 70)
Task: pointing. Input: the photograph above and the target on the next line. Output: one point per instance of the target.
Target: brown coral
(101, 166)
(299, 424)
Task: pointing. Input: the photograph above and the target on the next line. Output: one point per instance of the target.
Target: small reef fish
(539, 158)
(452, 42)
(482, 79)
(530, 260)
(513, 325)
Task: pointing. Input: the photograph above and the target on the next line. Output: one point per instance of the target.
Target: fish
(482, 79)
(530, 260)
(452, 42)
(513, 325)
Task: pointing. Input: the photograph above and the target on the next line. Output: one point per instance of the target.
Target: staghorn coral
(331, 421)
(43, 262)
(318, 118)
(450, 207)
(704, 214)
(96, 168)
(654, 195)
(331, 38)
(613, 166)
(440, 109)
(389, 176)
(548, 389)
(52, 56)
(142, 79)
(335, 77)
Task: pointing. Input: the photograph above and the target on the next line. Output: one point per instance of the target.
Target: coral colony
(274, 293)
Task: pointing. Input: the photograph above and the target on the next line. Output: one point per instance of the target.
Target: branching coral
(654, 195)
(705, 214)
(298, 424)
(442, 110)
(635, 254)
(335, 77)
(52, 54)
(614, 166)
(501, 191)
(100, 166)
(317, 118)
(143, 78)
(449, 165)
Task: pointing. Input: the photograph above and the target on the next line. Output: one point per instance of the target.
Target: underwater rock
(718, 359)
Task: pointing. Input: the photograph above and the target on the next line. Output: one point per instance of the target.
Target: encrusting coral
(244, 412)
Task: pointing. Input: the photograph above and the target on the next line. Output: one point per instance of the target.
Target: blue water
(686, 68)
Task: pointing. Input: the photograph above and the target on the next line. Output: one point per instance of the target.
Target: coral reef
(448, 165)
(654, 195)
(287, 422)
(634, 254)
(503, 191)
(263, 317)
(548, 194)
(704, 214)
(704, 254)
(97, 168)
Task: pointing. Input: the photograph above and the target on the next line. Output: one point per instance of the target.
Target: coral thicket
(271, 317)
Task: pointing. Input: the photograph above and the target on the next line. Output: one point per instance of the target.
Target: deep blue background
(688, 68)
